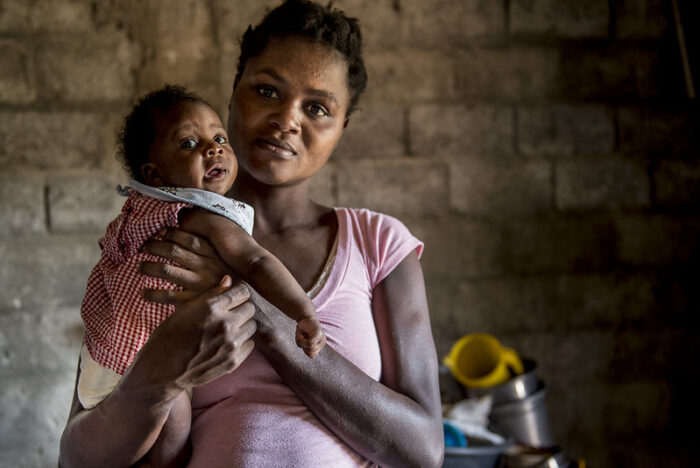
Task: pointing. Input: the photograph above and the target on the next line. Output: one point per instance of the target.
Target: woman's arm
(394, 423)
(207, 337)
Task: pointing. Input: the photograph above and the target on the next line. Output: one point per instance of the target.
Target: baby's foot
(309, 336)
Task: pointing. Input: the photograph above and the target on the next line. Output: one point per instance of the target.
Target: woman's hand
(196, 266)
(205, 338)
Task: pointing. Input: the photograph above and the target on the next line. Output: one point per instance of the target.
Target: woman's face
(288, 111)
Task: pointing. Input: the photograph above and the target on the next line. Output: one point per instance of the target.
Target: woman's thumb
(224, 284)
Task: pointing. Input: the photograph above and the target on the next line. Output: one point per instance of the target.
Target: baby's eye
(267, 91)
(220, 139)
(188, 143)
(317, 110)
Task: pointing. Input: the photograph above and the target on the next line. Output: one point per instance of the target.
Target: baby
(175, 144)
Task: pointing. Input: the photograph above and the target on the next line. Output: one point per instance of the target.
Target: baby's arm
(262, 270)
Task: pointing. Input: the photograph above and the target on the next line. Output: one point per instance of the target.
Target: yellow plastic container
(478, 360)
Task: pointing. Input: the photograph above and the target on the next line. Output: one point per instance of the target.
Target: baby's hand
(309, 336)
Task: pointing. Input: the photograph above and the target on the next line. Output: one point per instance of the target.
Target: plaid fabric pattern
(118, 321)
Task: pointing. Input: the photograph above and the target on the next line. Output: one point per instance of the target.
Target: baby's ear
(150, 175)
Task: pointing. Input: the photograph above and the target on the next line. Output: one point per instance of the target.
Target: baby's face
(191, 149)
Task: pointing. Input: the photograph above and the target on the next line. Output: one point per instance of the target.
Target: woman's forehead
(299, 60)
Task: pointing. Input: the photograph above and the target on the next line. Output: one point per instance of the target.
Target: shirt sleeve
(387, 243)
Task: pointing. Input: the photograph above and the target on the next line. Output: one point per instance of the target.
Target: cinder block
(190, 59)
(601, 182)
(22, 204)
(458, 248)
(657, 240)
(415, 187)
(377, 18)
(576, 357)
(322, 186)
(558, 244)
(42, 273)
(84, 68)
(650, 129)
(58, 139)
(375, 131)
(612, 72)
(442, 23)
(578, 417)
(41, 341)
(17, 83)
(583, 18)
(511, 73)
(560, 303)
(63, 16)
(34, 411)
(640, 19)
(409, 76)
(639, 407)
(496, 186)
(231, 18)
(677, 182)
(563, 130)
(632, 362)
(15, 16)
(461, 130)
(83, 202)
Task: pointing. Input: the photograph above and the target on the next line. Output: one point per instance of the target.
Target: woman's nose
(286, 119)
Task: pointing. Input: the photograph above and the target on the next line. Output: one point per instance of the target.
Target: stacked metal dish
(520, 409)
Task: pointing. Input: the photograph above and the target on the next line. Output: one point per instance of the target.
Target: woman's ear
(150, 175)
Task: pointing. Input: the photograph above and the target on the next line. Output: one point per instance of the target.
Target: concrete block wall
(545, 151)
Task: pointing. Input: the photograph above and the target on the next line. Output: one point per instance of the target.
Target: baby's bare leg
(309, 336)
(172, 448)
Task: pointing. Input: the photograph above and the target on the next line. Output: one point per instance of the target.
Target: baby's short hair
(139, 128)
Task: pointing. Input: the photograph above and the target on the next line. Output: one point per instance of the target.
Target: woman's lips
(276, 147)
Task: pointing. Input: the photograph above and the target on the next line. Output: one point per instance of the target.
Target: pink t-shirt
(250, 418)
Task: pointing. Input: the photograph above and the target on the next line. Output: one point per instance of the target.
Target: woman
(371, 395)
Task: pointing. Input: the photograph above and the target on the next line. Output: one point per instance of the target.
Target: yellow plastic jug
(479, 360)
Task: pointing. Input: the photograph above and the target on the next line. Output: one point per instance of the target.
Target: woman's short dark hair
(317, 23)
(139, 127)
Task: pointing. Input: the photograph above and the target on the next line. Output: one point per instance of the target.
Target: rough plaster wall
(541, 148)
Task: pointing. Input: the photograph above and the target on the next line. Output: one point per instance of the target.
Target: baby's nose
(214, 150)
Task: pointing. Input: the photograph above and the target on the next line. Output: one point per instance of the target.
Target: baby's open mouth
(215, 173)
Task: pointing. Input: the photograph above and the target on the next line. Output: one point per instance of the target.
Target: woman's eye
(317, 110)
(188, 143)
(267, 91)
(220, 139)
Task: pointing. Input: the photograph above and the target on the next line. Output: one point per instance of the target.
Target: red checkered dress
(118, 321)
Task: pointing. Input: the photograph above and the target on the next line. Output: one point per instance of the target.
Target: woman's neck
(277, 209)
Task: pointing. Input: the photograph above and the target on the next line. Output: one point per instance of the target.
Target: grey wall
(543, 149)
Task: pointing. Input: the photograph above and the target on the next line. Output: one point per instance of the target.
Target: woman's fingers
(190, 242)
(227, 338)
(173, 252)
(221, 364)
(190, 270)
(182, 277)
(169, 296)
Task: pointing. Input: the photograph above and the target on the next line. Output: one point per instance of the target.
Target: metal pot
(525, 420)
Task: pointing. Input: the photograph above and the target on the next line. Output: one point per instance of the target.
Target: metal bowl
(516, 388)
